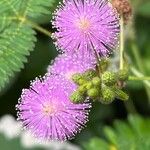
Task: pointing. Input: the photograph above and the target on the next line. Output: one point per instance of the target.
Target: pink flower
(67, 65)
(45, 109)
(84, 25)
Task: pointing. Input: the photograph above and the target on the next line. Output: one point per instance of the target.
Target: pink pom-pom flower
(47, 112)
(84, 25)
(66, 65)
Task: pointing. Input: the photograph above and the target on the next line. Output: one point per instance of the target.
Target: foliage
(131, 135)
(144, 9)
(17, 38)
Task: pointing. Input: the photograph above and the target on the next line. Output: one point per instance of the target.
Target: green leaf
(5, 21)
(131, 135)
(144, 9)
(16, 42)
(17, 38)
(10, 6)
(111, 135)
(96, 144)
(37, 8)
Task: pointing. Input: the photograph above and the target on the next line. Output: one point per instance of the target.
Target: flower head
(45, 109)
(84, 25)
(67, 65)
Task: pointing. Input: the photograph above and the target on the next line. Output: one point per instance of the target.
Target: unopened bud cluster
(103, 88)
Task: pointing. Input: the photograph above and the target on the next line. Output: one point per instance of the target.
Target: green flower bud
(93, 93)
(123, 74)
(82, 81)
(109, 78)
(77, 97)
(76, 77)
(89, 85)
(96, 81)
(89, 74)
(107, 95)
(82, 89)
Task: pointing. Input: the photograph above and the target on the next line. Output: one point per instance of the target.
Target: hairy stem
(134, 78)
(130, 107)
(140, 75)
(121, 43)
(137, 57)
(139, 63)
(98, 61)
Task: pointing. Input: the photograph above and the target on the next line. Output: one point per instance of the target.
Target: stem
(98, 62)
(139, 63)
(121, 42)
(140, 75)
(96, 55)
(35, 26)
(138, 78)
(39, 28)
(130, 107)
(136, 54)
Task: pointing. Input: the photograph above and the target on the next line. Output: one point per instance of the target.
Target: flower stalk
(140, 75)
(121, 43)
(33, 25)
(134, 78)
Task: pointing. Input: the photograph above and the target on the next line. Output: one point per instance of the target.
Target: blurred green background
(100, 115)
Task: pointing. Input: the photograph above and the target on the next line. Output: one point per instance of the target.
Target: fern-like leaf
(17, 37)
(10, 7)
(38, 8)
(16, 42)
(131, 135)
